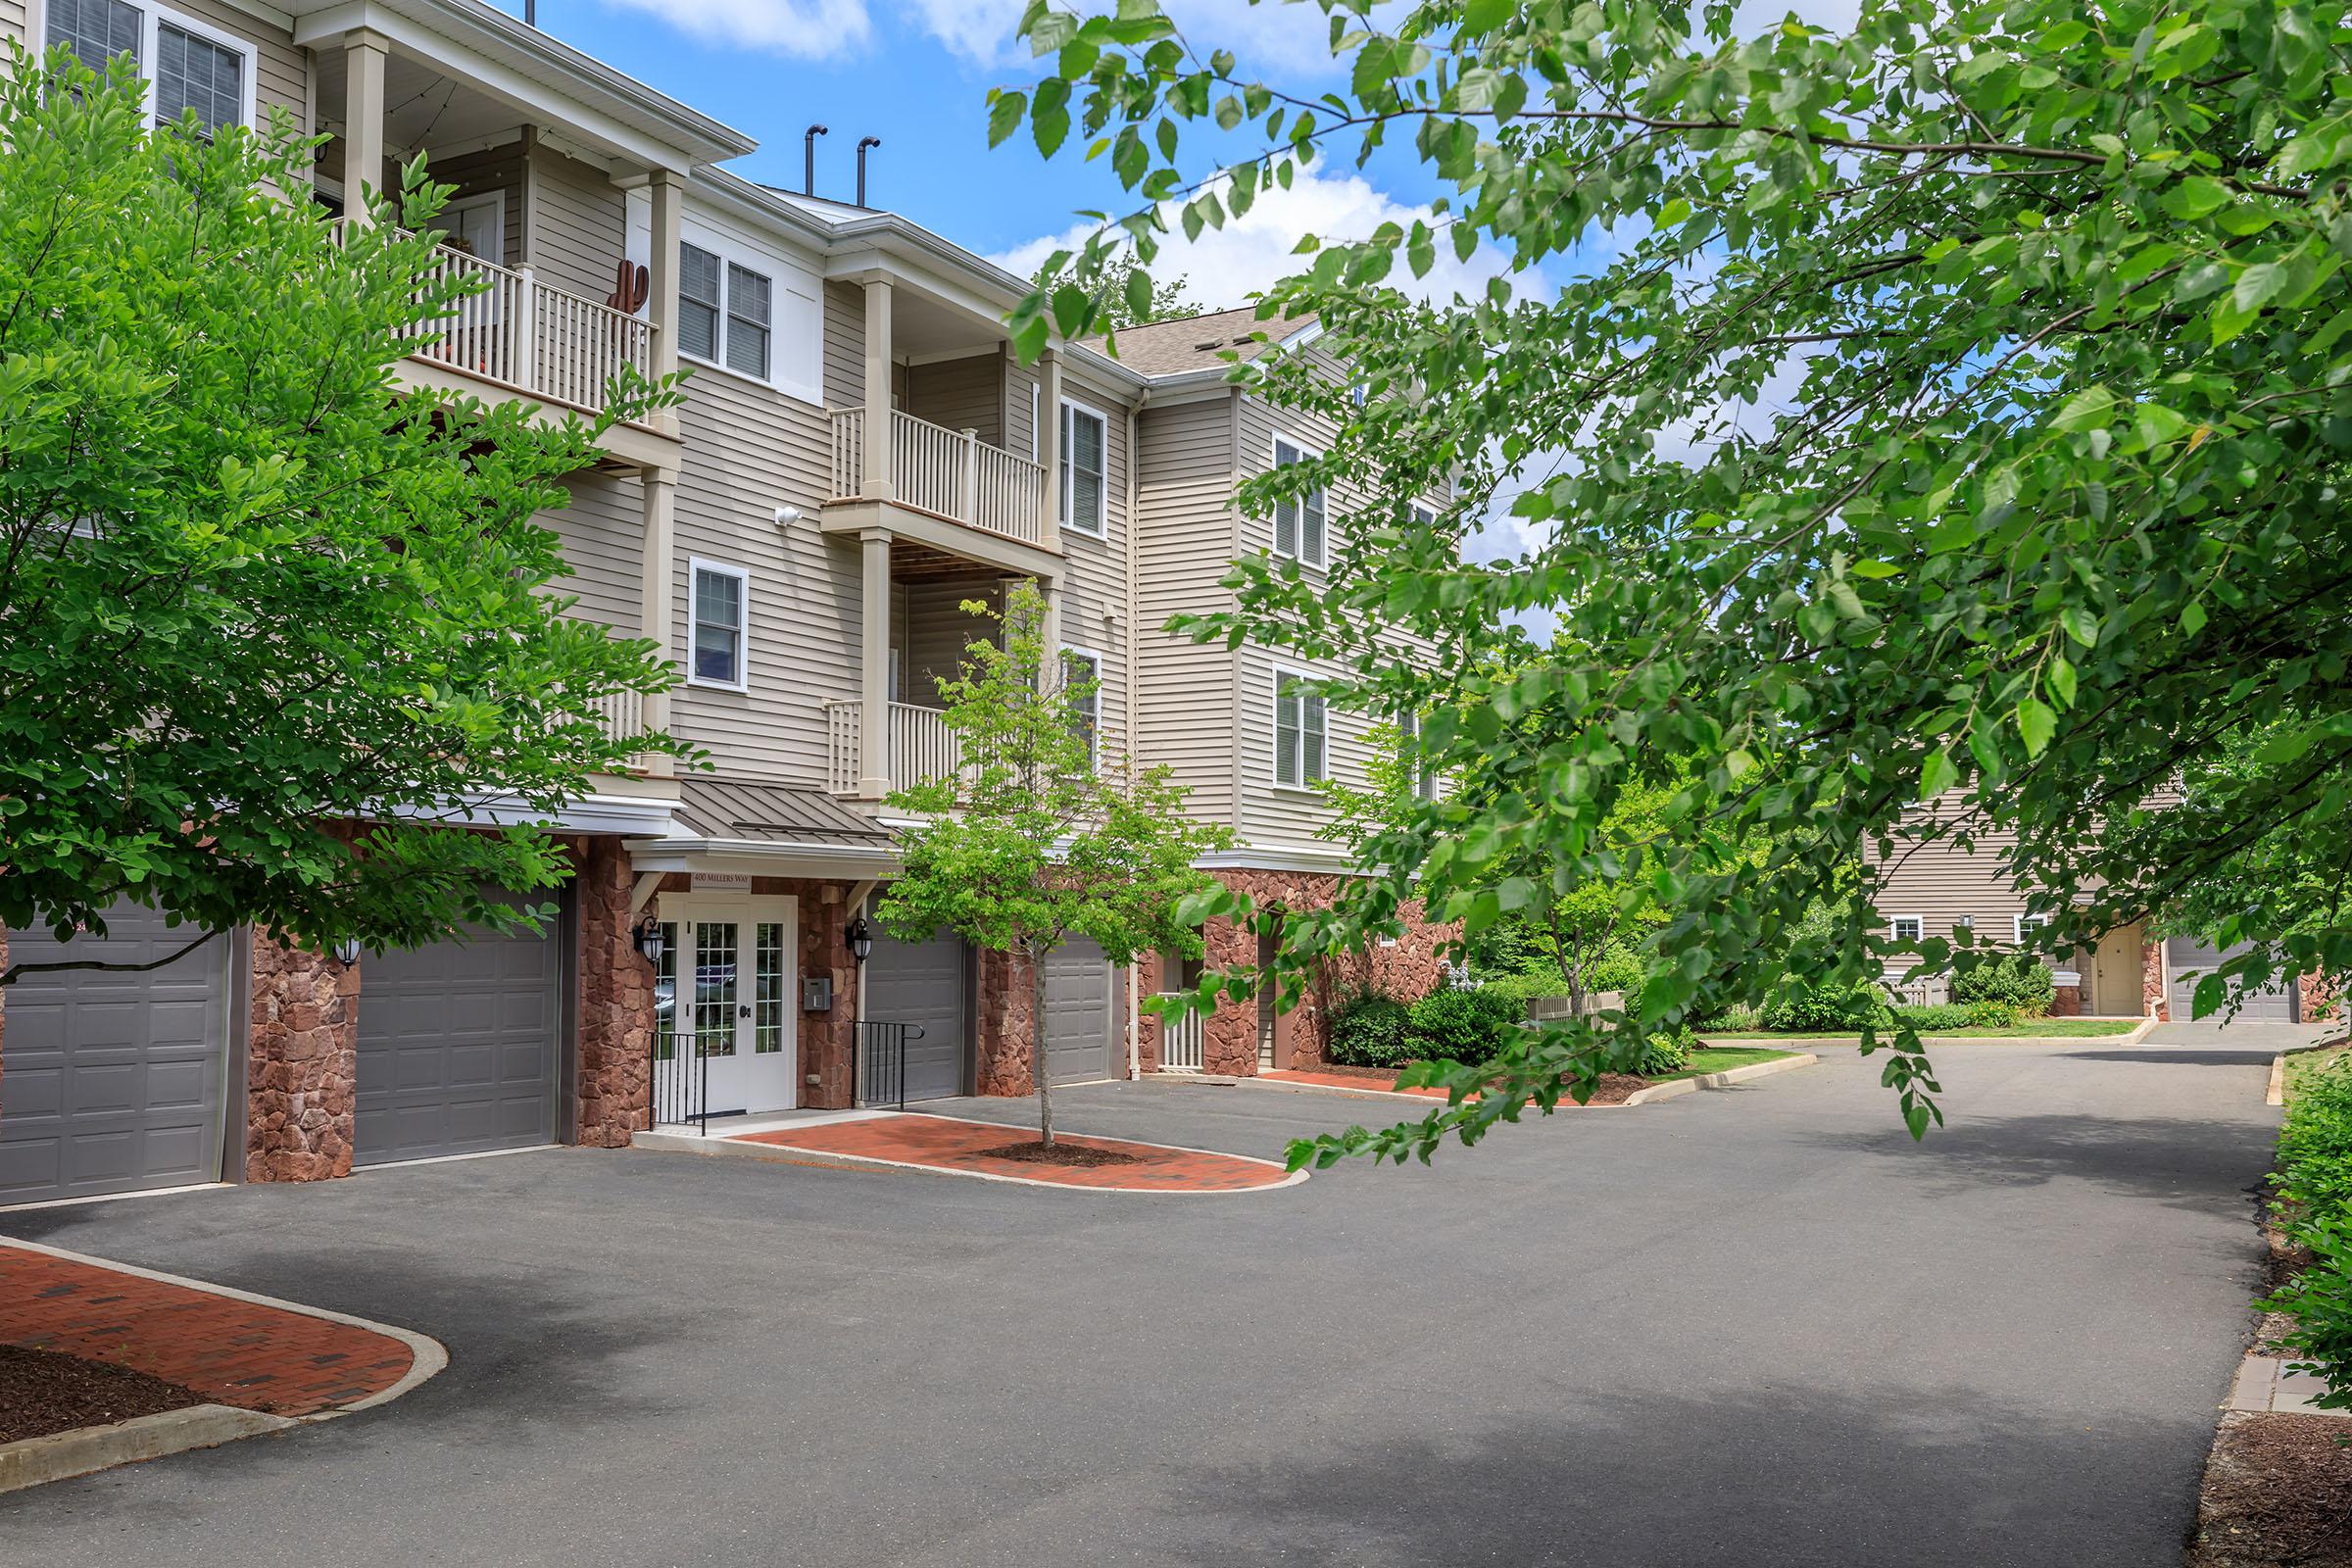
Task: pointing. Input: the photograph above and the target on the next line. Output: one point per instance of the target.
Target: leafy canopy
(1952, 410)
(250, 593)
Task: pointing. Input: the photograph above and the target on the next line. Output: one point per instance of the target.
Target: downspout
(1135, 710)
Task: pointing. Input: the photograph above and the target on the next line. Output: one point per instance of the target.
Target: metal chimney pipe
(530, 13)
(870, 141)
(809, 158)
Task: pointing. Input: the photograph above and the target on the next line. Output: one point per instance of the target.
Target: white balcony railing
(525, 336)
(1180, 1043)
(952, 474)
(917, 744)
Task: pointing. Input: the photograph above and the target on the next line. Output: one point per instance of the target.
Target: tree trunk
(1037, 1046)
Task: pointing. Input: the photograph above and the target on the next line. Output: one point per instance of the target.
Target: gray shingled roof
(746, 809)
(1196, 342)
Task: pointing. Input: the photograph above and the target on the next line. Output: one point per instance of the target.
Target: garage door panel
(115, 1082)
(2272, 1005)
(1079, 996)
(925, 984)
(458, 1048)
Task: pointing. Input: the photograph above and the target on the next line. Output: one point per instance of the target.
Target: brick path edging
(426, 1355)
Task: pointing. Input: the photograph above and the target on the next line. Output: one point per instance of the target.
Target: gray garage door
(2277, 1004)
(1080, 997)
(112, 1083)
(458, 1047)
(922, 983)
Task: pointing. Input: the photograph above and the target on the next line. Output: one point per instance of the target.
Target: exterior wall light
(861, 939)
(346, 951)
(649, 940)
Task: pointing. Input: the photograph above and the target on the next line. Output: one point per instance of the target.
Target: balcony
(524, 338)
(917, 744)
(944, 489)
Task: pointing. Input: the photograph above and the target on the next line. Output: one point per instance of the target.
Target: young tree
(1958, 411)
(1039, 838)
(250, 593)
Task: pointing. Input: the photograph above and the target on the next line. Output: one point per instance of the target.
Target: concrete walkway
(1751, 1328)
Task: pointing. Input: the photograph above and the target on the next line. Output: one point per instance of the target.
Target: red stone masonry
(232, 1352)
(615, 1002)
(2152, 993)
(302, 1064)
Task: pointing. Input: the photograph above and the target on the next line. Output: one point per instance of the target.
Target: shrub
(1368, 1031)
(2314, 1182)
(1991, 1014)
(2319, 1301)
(2015, 980)
(1528, 984)
(1468, 1026)
(1667, 1051)
(1731, 1022)
(1945, 1015)
(2315, 1146)
(1827, 1008)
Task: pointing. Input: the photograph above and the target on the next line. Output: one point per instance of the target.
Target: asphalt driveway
(1753, 1327)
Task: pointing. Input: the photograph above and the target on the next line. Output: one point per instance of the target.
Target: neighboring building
(1939, 888)
(857, 453)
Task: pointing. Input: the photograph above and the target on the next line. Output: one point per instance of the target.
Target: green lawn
(2035, 1029)
(1723, 1058)
(2301, 1064)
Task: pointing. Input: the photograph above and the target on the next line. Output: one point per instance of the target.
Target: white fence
(952, 474)
(919, 746)
(1180, 1043)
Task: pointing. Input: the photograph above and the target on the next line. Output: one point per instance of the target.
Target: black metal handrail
(682, 1081)
(882, 1062)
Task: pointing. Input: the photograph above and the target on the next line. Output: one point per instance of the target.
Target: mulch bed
(2277, 1493)
(43, 1391)
(1034, 1152)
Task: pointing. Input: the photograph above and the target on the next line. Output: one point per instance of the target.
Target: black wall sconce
(649, 940)
(861, 939)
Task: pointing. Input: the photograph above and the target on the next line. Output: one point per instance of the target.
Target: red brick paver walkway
(948, 1143)
(231, 1352)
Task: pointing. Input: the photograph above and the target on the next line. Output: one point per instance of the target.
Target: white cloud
(1225, 266)
(1289, 39)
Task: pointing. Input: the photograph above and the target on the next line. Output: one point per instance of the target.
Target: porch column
(666, 188)
(1049, 443)
(655, 561)
(877, 393)
(873, 711)
(364, 54)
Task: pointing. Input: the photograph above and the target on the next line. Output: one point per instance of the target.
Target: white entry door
(731, 998)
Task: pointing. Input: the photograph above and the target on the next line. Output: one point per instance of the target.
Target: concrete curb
(61, 1455)
(2130, 1037)
(1731, 1076)
(2276, 1093)
(1670, 1089)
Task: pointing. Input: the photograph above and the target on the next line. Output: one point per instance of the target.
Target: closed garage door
(112, 1083)
(922, 983)
(1079, 1000)
(458, 1047)
(2277, 1004)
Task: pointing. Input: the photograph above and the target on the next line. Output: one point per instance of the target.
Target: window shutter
(1310, 543)
(698, 303)
(1286, 731)
(1313, 751)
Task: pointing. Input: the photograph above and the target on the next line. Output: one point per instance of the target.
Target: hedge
(2314, 1207)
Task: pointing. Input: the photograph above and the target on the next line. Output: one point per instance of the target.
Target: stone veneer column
(302, 1064)
(828, 1040)
(2157, 1003)
(1003, 1043)
(614, 1080)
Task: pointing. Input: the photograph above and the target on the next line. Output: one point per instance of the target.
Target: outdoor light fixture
(346, 951)
(860, 938)
(649, 941)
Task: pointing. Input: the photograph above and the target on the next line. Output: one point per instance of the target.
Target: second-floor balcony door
(477, 227)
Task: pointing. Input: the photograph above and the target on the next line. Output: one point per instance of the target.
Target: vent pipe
(870, 141)
(809, 158)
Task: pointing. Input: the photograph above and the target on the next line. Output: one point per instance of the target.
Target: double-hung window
(1300, 750)
(718, 621)
(2023, 925)
(185, 64)
(1082, 680)
(1907, 929)
(1298, 520)
(727, 312)
(1422, 777)
(1082, 470)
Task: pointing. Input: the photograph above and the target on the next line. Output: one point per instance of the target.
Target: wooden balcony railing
(917, 744)
(952, 474)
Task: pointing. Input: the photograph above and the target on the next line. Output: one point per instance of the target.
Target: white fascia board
(765, 858)
(631, 815)
(491, 50)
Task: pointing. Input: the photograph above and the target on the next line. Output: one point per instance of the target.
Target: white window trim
(1062, 452)
(151, 18)
(787, 277)
(767, 269)
(1307, 454)
(2017, 927)
(696, 566)
(1093, 656)
(1304, 787)
(1895, 927)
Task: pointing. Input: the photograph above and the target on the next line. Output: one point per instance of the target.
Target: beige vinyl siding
(14, 21)
(602, 532)
(577, 227)
(1094, 575)
(1944, 884)
(749, 450)
(960, 395)
(1020, 384)
(1185, 690)
(845, 346)
(477, 173)
(934, 631)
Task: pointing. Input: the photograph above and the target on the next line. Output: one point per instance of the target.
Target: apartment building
(858, 455)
